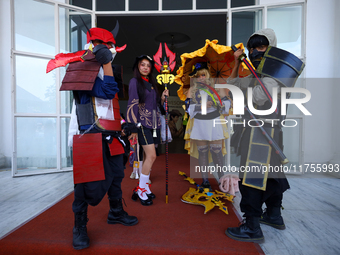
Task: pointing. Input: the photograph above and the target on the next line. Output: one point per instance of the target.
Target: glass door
(40, 112)
(243, 23)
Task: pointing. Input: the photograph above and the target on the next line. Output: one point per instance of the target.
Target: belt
(208, 116)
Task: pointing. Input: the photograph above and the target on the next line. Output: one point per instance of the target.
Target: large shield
(281, 65)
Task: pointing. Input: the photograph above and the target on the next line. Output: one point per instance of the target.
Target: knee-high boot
(80, 237)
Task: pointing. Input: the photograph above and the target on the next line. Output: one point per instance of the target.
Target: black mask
(256, 57)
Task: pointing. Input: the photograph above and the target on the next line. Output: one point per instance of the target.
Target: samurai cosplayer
(96, 114)
(269, 188)
(201, 132)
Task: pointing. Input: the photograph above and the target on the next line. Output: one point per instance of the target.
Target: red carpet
(173, 228)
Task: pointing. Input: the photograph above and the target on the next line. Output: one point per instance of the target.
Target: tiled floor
(23, 198)
(312, 210)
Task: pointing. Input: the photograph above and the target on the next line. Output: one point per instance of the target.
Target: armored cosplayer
(98, 147)
(275, 68)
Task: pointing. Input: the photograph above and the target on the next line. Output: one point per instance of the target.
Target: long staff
(270, 140)
(166, 147)
(164, 67)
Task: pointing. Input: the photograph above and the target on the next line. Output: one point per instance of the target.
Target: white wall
(336, 52)
(321, 45)
(336, 94)
(5, 84)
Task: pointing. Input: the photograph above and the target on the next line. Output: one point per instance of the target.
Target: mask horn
(115, 30)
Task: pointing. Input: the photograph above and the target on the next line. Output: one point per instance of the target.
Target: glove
(102, 54)
(129, 128)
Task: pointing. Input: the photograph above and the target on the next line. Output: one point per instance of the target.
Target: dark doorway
(142, 34)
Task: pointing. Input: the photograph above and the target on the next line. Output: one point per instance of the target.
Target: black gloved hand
(129, 128)
(102, 54)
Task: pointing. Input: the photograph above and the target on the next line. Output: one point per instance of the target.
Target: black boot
(118, 215)
(248, 231)
(80, 238)
(272, 217)
(206, 184)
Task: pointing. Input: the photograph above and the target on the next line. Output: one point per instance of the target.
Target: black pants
(91, 193)
(252, 199)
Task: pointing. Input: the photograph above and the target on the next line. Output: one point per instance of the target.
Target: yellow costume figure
(206, 131)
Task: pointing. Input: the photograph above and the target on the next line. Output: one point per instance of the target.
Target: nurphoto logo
(239, 107)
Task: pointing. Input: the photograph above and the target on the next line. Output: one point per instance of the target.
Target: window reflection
(240, 3)
(73, 29)
(66, 151)
(34, 27)
(244, 24)
(145, 5)
(66, 102)
(177, 4)
(112, 5)
(287, 24)
(66, 97)
(35, 90)
(87, 4)
(36, 143)
(212, 4)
